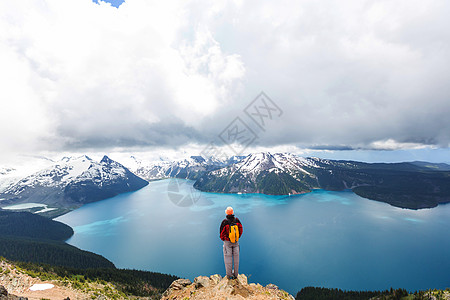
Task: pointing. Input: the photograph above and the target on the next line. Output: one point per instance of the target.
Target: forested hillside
(29, 237)
(36, 244)
(28, 225)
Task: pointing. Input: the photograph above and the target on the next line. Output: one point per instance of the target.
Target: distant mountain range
(74, 181)
(188, 168)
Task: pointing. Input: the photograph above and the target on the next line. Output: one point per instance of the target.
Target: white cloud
(97, 72)
(168, 73)
(391, 144)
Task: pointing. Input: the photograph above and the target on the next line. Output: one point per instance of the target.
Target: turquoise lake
(327, 239)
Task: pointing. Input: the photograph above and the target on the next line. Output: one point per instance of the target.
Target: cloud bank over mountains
(347, 75)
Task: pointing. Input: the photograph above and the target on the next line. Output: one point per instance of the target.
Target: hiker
(231, 227)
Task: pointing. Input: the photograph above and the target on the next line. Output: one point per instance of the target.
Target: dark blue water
(329, 239)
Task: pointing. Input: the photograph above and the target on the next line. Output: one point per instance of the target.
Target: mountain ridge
(404, 185)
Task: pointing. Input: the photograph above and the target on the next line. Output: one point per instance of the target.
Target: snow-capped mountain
(188, 168)
(405, 185)
(73, 181)
(252, 165)
(21, 167)
(279, 173)
(282, 173)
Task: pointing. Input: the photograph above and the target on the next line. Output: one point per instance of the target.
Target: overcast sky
(340, 75)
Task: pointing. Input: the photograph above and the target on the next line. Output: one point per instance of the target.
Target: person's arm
(224, 234)
(222, 227)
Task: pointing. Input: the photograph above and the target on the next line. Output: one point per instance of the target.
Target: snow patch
(41, 286)
(46, 209)
(24, 206)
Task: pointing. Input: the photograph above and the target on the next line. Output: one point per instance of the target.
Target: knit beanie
(229, 210)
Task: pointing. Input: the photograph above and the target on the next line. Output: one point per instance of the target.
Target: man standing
(230, 248)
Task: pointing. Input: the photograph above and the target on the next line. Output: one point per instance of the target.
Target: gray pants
(231, 251)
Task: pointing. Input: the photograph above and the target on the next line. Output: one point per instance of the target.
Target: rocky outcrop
(4, 295)
(216, 287)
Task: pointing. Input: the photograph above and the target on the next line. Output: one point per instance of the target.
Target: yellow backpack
(234, 232)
